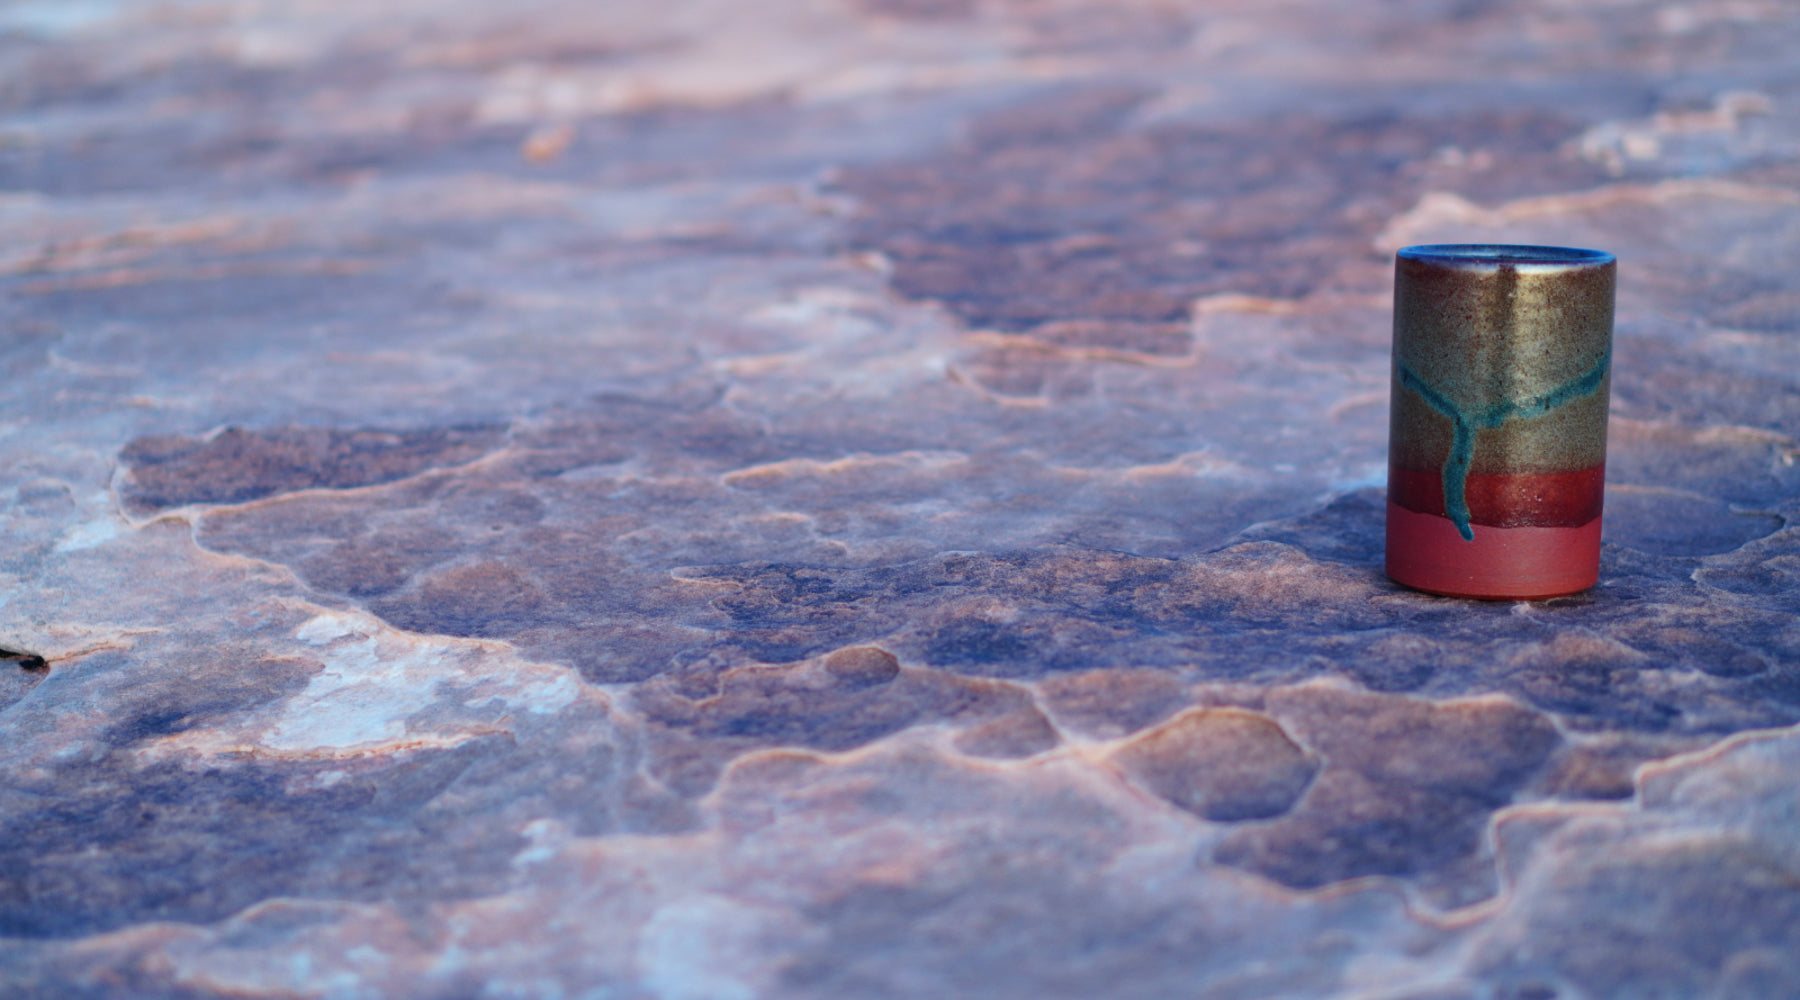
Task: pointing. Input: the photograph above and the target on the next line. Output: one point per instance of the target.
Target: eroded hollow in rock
(30, 662)
(1220, 764)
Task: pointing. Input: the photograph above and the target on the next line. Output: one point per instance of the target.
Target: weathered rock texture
(872, 498)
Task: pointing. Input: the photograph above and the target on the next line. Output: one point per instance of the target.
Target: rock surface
(872, 498)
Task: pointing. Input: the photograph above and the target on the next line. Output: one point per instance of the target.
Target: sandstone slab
(871, 498)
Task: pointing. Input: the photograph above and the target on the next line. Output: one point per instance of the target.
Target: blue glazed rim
(1494, 254)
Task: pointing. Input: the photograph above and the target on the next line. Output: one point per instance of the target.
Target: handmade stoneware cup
(1497, 433)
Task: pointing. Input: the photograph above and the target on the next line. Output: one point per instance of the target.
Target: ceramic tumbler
(1497, 432)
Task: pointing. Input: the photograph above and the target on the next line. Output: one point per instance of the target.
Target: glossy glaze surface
(1502, 362)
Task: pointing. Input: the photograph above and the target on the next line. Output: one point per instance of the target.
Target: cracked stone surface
(876, 498)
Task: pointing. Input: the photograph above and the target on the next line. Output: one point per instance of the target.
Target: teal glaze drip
(1464, 426)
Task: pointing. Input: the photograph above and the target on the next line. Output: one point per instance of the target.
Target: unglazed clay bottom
(1427, 552)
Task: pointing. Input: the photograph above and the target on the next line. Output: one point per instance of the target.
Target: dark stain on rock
(16, 684)
(238, 465)
(29, 662)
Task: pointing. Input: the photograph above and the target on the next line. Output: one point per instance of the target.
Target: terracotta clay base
(1425, 552)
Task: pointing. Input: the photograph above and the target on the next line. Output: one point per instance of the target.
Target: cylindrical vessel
(1497, 433)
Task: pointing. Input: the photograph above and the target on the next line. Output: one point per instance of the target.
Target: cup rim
(1496, 254)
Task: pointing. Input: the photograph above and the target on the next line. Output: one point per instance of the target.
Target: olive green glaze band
(1502, 367)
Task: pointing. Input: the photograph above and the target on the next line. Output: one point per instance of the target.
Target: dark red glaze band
(1426, 552)
(1535, 499)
